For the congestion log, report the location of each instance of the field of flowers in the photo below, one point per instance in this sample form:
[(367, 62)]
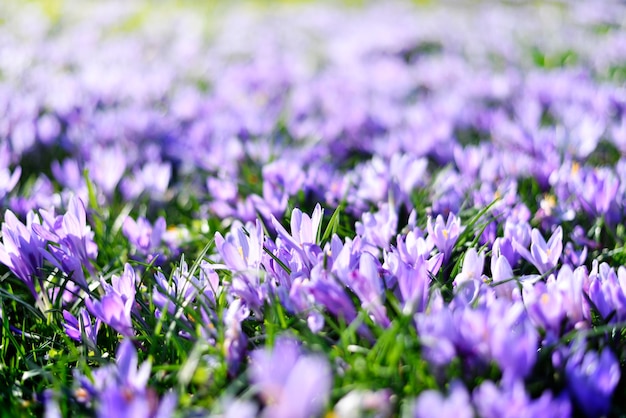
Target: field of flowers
[(313, 210)]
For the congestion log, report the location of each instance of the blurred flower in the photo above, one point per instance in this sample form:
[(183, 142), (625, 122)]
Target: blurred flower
[(290, 383), (512, 401), (359, 403), (592, 378), (432, 403), (145, 237)]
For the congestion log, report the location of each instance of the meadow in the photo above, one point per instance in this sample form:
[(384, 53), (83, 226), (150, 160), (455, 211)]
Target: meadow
[(312, 209)]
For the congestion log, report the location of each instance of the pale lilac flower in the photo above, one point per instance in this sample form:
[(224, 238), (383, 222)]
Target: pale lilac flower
[(123, 390), (368, 286), (413, 246), (413, 282), (145, 237), (107, 167), (543, 255), (377, 229), (8, 180), (113, 311), (432, 403), (330, 294), (304, 236), (242, 252), (291, 384), (152, 179), (445, 234), (503, 280), (471, 277), (545, 306)]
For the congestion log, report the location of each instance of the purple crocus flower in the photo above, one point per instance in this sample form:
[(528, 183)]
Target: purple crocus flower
[(242, 251), (543, 255), (304, 236), (292, 384), (510, 401), (107, 167), (597, 191), (503, 280), (235, 339), (115, 307), (592, 378), (76, 327), (124, 392), (413, 246), (113, 311), (513, 340), (73, 238), (368, 286), (377, 229), (413, 282), (445, 234), (606, 291), (471, 278), (437, 332), (8, 180), (545, 306), (328, 293), (177, 292), (21, 250), (432, 403), (146, 238)]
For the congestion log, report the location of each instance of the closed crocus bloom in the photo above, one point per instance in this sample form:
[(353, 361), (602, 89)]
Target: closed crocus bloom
[(597, 191), (413, 284), (470, 279), (503, 280), (330, 294), (607, 293)]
